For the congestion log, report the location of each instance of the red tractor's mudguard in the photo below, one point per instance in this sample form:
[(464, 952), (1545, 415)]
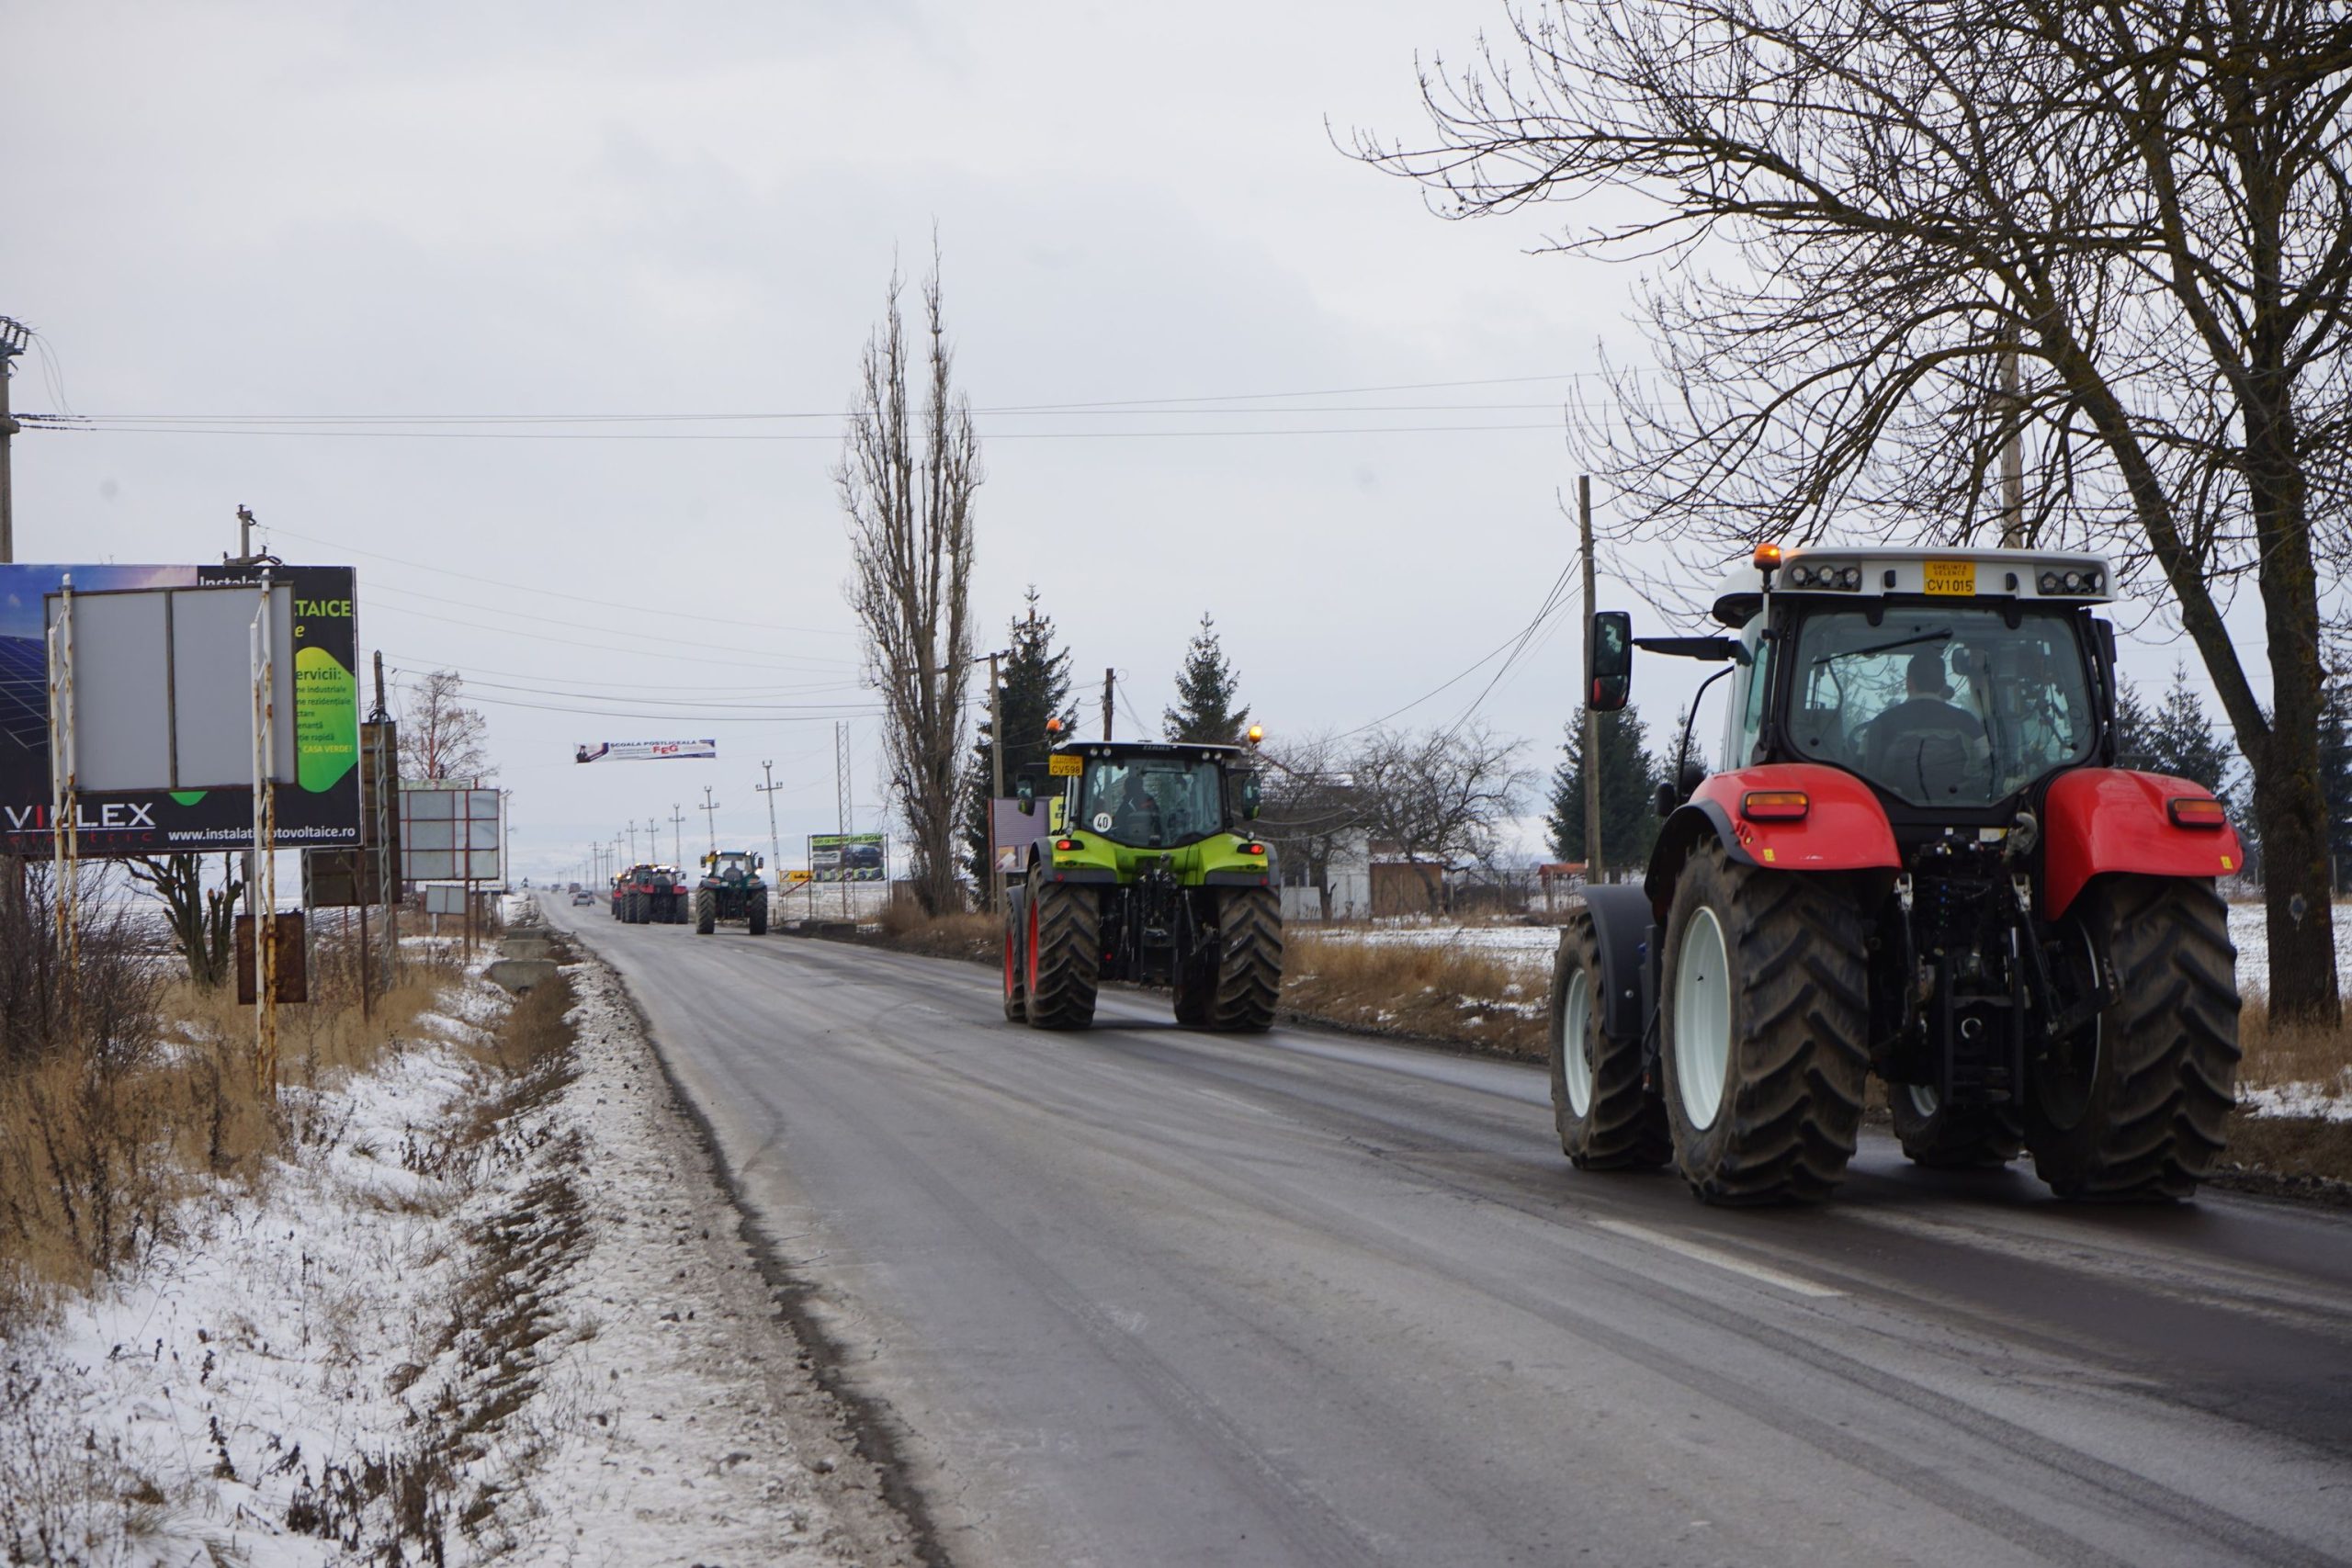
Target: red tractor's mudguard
[(1843, 827), (2103, 819)]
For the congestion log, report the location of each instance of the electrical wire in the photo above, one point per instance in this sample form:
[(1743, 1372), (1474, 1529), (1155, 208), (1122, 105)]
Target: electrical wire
[(827, 436), (656, 637)]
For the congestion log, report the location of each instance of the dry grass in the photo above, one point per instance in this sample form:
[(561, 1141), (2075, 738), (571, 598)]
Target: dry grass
[(1462, 995), (967, 934), (2291, 1053), (144, 1088)]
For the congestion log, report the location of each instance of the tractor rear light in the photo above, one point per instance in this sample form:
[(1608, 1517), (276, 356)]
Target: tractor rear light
[(1065, 843), (2194, 811), (1253, 849), (1774, 804)]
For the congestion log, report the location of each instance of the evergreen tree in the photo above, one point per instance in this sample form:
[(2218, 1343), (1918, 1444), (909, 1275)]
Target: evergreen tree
[(1205, 694), (1036, 677), (2134, 729), (2335, 769), (1629, 780), (2182, 738)]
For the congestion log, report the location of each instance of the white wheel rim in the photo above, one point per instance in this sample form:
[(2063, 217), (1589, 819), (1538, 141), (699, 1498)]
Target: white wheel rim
[(1576, 1018), (1924, 1099), (1701, 1019)]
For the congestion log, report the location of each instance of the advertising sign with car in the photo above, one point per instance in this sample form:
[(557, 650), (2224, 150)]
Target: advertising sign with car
[(848, 857)]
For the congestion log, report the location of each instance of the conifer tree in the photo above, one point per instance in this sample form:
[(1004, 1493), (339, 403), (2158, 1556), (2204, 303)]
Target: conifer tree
[(1035, 675), (1628, 779), (1206, 707)]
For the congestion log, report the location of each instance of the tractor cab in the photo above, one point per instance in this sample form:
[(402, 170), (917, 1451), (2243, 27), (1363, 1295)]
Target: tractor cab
[(1145, 795), (1917, 860)]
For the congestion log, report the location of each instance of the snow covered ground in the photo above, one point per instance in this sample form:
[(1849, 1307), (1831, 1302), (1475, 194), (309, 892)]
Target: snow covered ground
[(549, 1344)]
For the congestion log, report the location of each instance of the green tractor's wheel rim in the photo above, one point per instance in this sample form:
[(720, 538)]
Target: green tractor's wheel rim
[(1701, 1019), (1575, 1069)]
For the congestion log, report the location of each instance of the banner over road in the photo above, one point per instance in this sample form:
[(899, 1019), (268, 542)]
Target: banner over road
[(642, 750)]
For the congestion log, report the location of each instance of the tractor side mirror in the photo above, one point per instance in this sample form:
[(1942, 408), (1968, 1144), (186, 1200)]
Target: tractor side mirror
[(1251, 797), (1025, 788), (1609, 660)]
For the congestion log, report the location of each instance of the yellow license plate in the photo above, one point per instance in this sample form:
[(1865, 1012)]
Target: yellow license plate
[(1070, 764), (1952, 577)]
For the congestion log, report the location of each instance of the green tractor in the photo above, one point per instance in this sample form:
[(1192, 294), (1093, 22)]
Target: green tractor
[(1145, 871), (730, 890)]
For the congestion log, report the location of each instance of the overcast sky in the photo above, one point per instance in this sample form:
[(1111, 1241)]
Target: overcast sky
[(582, 208)]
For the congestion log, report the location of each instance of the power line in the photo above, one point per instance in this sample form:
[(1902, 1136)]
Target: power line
[(828, 435), (655, 637)]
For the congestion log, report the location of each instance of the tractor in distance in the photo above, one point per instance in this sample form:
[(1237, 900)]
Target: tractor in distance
[(732, 891), (1916, 858), (1146, 871), (649, 894)]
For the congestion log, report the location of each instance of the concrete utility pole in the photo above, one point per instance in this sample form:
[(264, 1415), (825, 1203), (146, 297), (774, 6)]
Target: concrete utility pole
[(996, 781), (678, 832), (2012, 406), (1593, 869), (840, 809), (776, 855), (1109, 680), (710, 817), (14, 336), (632, 841)]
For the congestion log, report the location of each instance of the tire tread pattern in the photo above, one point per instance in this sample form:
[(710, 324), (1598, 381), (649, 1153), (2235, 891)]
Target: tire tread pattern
[(1248, 960), (1626, 1126), (1068, 957)]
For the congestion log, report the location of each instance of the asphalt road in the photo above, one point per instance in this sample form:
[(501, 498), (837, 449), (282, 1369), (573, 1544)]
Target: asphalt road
[(1144, 1295)]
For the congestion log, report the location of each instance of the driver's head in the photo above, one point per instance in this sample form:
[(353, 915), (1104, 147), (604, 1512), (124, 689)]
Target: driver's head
[(1923, 677), (1133, 792)]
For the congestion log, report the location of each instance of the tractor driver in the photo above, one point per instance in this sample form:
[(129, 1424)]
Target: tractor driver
[(1926, 735), (1137, 818)]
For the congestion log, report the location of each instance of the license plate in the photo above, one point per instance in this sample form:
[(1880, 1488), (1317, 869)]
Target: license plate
[(1065, 765), (1958, 576)]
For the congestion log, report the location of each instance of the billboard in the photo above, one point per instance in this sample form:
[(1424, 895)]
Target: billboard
[(450, 830), (642, 750), (341, 878), (847, 857), (179, 728)]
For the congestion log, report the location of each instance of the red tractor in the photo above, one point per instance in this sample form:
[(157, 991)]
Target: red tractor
[(649, 894), (1916, 859)]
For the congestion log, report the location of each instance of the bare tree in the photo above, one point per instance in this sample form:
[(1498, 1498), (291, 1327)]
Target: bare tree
[(906, 482), (1310, 814), (1436, 798), (203, 920), (1866, 208), (440, 737)]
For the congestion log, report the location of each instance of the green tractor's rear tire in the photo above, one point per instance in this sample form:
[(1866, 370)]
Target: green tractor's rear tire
[(1016, 960), (1062, 943), (2136, 1104), (1249, 960), (1765, 1017), (755, 914), (706, 912), (1942, 1137), (1609, 1119)]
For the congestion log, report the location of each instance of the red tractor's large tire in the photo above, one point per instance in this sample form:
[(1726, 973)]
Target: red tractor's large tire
[(1944, 1137), (1248, 975), (1765, 1018), (1016, 957), (1609, 1119), (632, 907), (1062, 944), (2135, 1105), (706, 911)]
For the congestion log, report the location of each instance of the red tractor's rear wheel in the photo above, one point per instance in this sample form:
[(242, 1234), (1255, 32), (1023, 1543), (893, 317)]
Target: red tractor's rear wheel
[(2136, 1103), (1765, 1019), (1608, 1118)]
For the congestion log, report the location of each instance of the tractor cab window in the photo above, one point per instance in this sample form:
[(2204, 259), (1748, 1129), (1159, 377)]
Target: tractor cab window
[(1941, 706), (1747, 716), (1152, 802)]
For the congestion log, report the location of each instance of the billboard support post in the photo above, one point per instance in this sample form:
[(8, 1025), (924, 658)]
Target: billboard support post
[(64, 805), (265, 845)]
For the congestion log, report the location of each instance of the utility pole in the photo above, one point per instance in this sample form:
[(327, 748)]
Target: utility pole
[(1109, 681), (632, 841), (14, 336), (678, 832), (776, 855), (2012, 406), (1594, 871), (710, 817), (841, 807), (652, 837)]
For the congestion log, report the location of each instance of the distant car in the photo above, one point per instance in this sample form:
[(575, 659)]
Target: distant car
[(583, 896)]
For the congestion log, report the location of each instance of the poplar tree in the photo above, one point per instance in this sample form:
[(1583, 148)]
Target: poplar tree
[(1205, 709)]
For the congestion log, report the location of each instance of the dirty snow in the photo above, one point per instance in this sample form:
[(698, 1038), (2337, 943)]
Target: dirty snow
[(255, 1393)]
